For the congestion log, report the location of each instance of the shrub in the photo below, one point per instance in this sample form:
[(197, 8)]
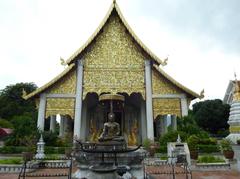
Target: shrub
[(13, 149), (207, 141), (147, 143), (171, 136), (226, 145), (208, 148), (210, 159), (192, 142), (5, 124)]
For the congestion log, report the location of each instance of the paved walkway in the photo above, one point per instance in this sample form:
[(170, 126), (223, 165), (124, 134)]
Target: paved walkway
[(196, 175)]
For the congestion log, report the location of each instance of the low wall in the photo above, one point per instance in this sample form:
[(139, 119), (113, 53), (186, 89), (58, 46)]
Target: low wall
[(211, 166)]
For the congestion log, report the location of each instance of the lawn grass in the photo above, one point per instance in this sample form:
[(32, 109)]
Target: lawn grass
[(210, 159), (15, 160)]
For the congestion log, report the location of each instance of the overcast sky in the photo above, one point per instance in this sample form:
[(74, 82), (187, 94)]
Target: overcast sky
[(201, 37)]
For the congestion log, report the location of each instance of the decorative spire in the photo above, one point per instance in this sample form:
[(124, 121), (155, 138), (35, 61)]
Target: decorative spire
[(236, 95), (114, 1)]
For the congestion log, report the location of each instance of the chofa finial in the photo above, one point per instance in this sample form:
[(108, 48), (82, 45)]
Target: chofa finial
[(165, 61), (63, 62), (24, 93), (202, 94)]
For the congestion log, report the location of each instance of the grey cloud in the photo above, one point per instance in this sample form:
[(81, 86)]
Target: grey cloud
[(217, 20)]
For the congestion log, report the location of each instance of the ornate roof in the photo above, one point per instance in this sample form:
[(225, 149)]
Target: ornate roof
[(156, 61), (114, 8), (179, 85), (46, 86)]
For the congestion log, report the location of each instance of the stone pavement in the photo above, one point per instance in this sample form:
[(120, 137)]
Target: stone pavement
[(196, 175)]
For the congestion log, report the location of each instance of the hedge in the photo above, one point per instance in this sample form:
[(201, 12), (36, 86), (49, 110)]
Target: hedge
[(208, 148), (20, 149)]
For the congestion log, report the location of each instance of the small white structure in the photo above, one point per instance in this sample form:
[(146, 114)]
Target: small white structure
[(40, 149), (177, 151), (234, 117)]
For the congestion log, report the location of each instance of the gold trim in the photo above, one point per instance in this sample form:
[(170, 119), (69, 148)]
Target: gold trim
[(44, 87), (113, 7), (118, 97), (188, 91)]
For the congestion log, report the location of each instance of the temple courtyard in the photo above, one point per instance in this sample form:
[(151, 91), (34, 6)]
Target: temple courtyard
[(231, 174)]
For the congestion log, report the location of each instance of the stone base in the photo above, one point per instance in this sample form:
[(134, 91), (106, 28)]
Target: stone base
[(233, 137)]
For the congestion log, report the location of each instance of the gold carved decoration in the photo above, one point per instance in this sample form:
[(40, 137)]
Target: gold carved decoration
[(63, 106), (67, 84), (161, 85), (234, 129), (132, 137), (94, 133), (114, 63), (166, 106)]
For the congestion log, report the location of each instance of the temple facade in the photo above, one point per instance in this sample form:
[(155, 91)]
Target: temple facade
[(113, 61)]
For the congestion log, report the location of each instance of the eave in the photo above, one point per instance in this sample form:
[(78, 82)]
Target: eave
[(191, 93)]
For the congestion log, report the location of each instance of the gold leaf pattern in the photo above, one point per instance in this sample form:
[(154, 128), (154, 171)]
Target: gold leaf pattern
[(162, 86), (63, 106), (166, 106), (114, 63), (67, 85)]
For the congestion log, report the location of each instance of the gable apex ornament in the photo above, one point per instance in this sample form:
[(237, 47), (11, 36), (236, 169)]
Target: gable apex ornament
[(202, 94)]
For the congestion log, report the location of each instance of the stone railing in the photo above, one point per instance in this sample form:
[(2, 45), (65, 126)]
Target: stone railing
[(211, 166)]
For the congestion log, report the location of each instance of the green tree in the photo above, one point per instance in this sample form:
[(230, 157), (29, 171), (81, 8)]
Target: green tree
[(5, 124), (12, 103), (211, 115), (25, 131)]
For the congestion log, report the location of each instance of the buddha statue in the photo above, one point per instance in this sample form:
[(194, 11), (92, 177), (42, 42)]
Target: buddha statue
[(111, 130)]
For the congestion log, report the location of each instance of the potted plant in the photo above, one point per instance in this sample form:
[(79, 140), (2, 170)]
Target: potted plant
[(149, 146), (227, 149), (192, 142)]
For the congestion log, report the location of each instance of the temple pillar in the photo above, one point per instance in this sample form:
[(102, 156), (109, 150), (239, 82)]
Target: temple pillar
[(143, 120), (52, 123), (149, 108), (184, 106), (78, 101), (41, 112), (61, 129), (174, 122), (163, 125), (84, 120), (66, 125)]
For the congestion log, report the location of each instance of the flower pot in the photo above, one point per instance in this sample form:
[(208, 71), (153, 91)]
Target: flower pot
[(228, 154), (194, 154)]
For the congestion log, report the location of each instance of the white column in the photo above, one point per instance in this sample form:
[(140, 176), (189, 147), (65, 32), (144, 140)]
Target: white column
[(149, 109), (78, 102), (61, 129), (184, 106), (41, 112), (52, 123)]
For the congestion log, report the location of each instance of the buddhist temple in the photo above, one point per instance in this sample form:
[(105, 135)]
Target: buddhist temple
[(113, 61)]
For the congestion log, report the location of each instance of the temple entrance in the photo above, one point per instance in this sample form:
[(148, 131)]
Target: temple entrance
[(129, 114)]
